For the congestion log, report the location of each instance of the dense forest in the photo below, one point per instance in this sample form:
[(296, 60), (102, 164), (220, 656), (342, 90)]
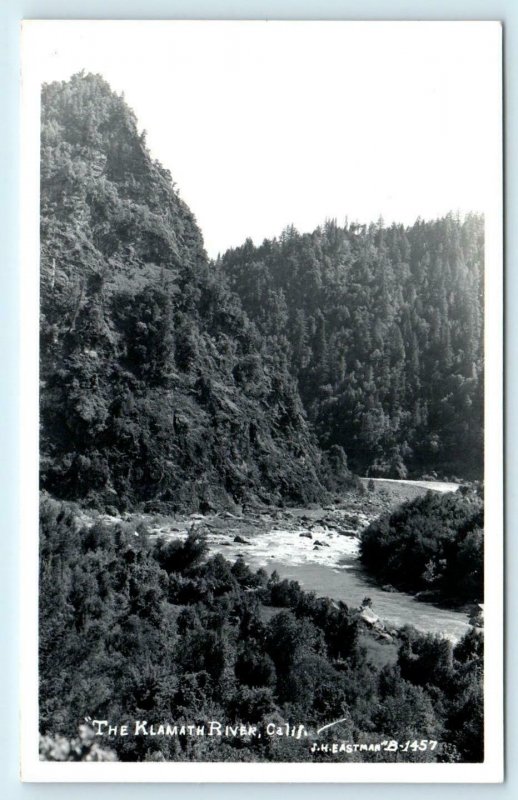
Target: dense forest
[(272, 375), (134, 628), (382, 328), (172, 381), (434, 544)]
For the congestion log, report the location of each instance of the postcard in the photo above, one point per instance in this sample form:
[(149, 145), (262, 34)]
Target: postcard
[(262, 377)]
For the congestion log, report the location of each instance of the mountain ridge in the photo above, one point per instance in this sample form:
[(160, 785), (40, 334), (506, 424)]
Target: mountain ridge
[(172, 382), (156, 387)]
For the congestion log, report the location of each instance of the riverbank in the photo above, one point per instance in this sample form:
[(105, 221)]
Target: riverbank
[(316, 546)]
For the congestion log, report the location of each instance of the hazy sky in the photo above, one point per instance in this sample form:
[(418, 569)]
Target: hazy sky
[(268, 124)]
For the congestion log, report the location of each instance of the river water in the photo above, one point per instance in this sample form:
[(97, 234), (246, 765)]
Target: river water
[(395, 608), (323, 560), (335, 572), (319, 548)]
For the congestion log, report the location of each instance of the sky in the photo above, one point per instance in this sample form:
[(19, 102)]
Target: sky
[(269, 124)]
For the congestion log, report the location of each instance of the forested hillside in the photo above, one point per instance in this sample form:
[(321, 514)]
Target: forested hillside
[(156, 388), (382, 328), (181, 383)]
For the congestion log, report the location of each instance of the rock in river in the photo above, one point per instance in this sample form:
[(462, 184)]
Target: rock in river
[(239, 539)]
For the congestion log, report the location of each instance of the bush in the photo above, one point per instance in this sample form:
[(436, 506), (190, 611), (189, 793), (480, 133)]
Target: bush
[(435, 542)]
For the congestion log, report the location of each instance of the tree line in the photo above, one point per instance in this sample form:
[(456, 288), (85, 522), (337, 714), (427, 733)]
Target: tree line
[(382, 328)]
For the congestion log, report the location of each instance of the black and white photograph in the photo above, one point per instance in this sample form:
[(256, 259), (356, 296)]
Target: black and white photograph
[(263, 264)]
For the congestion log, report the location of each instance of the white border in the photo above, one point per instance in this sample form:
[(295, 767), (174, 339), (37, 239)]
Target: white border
[(491, 771)]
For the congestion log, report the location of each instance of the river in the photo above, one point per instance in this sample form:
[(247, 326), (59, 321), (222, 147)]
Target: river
[(336, 572), (310, 546)]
